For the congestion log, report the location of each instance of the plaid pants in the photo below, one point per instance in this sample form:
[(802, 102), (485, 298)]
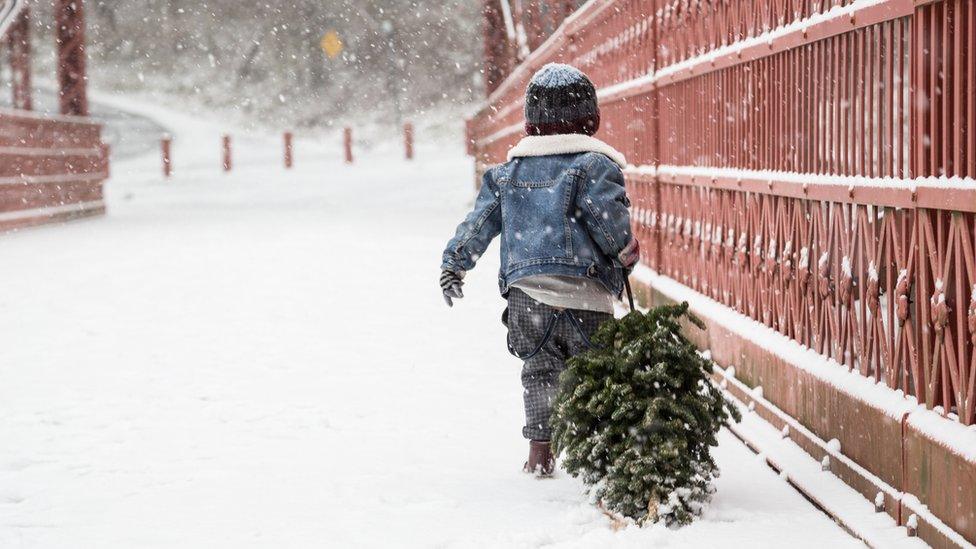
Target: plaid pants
[(527, 320)]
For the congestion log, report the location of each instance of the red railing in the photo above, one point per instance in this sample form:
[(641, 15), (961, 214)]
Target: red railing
[(51, 166), (811, 164), (515, 27)]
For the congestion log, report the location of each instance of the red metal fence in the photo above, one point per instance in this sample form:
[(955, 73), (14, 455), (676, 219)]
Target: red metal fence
[(808, 163), (51, 166)]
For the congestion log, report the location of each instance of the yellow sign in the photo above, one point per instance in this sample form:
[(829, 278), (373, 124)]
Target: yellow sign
[(331, 44)]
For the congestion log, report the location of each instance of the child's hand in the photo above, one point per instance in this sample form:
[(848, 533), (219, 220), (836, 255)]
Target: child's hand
[(451, 283), (630, 255)]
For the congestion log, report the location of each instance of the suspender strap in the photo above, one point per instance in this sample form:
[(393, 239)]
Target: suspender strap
[(551, 327), (630, 293)]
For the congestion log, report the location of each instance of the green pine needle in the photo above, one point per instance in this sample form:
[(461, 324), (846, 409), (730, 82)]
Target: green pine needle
[(636, 416)]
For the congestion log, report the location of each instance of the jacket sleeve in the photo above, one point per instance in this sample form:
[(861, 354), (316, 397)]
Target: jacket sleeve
[(603, 201), (477, 230)]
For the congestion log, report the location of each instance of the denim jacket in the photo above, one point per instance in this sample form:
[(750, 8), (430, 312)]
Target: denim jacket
[(561, 208)]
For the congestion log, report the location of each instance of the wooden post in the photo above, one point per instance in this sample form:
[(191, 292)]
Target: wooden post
[(289, 159), (347, 143), (106, 151), (167, 143), (228, 158), (408, 140)]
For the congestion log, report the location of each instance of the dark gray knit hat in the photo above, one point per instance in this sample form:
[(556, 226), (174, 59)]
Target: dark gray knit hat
[(561, 99)]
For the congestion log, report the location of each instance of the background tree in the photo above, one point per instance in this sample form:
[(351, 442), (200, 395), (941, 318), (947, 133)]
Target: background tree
[(266, 55)]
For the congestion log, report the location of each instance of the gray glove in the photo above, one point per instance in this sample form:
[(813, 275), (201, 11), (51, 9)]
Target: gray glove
[(451, 283)]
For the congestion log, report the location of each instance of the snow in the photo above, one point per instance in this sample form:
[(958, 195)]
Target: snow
[(51, 210), (8, 12), (555, 75), (264, 359), (845, 181), (864, 519), (766, 38), (955, 436), (262, 62), (842, 181), (509, 22), (916, 508), (504, 132), (829, 491)]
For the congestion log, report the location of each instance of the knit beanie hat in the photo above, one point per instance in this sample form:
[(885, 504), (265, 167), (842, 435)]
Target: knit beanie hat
[(561, 99)]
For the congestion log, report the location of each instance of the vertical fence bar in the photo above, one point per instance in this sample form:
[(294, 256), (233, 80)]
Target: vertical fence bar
[(971, 98), (70, 31), (20, 61), (499, 53)]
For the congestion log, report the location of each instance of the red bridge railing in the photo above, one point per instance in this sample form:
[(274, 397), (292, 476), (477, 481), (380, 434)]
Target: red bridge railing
[(808, 163), (51, 166)]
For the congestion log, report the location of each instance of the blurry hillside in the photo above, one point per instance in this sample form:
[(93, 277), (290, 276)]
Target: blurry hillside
[(264, 61)]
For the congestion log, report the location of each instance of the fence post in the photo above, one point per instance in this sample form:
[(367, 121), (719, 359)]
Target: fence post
[(228, 160), (167, 143), (408, 140), (657, 234), (347, 143), (72, 80), (20, 60), (106, 151), (289, 160)]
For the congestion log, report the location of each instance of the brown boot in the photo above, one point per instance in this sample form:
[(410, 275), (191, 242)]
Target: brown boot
[(541, 461)]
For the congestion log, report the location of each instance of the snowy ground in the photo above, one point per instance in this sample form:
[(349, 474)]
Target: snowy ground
[(264, 360)]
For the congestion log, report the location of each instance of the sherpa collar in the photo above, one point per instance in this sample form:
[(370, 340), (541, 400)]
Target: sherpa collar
[(564, 143)]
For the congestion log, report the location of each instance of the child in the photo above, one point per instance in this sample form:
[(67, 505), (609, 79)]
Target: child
[(560, 206)]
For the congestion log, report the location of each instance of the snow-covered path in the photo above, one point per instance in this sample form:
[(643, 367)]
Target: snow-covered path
[(264, 360)]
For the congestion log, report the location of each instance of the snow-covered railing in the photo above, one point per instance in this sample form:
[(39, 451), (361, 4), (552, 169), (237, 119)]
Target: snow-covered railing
[(809, 164), (51, 166), (774, 112), (9, 10), (877, 275), (514, 28)]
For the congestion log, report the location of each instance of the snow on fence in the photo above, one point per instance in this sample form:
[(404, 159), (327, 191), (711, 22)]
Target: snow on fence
[(809, 164)]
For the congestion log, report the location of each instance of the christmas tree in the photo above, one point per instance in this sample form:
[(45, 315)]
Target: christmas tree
[(636, 417)]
